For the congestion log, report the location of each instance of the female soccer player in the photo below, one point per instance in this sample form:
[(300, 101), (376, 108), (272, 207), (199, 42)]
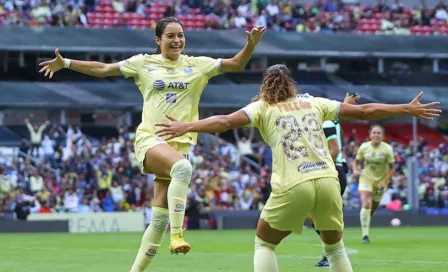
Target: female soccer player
[(304, 179), (170, 82), (379, 167)]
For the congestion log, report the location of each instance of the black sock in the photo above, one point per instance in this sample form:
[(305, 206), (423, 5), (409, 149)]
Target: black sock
[(318, 232)]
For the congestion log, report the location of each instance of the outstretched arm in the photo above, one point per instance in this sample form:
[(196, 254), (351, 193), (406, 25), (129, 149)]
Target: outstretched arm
[(240, 60), (377, 111), (218, 123), (91, 68)]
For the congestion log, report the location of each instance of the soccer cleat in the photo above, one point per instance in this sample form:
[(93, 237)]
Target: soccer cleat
[(365, 240), (178, 244), (323, 263)]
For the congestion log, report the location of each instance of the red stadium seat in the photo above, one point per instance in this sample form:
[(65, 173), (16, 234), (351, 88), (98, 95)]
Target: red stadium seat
[(108, 15), (109, 9), (100, 9), (200, 18)]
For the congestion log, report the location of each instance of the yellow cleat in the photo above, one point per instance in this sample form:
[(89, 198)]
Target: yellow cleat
[(178, 244)]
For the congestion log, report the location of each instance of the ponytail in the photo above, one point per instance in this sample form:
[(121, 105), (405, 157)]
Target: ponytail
[(158, 50)]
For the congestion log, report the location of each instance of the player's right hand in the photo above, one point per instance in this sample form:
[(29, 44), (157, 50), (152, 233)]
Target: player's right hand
[(351, 98), (52, 66), (424, 111), (355, 174)]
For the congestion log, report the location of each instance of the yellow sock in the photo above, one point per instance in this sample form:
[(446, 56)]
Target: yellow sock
[(181, 172), (151, 240), (365, 221), (264, 257)]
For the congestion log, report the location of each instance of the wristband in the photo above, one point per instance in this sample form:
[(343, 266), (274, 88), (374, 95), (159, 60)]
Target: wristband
[(67, 63)]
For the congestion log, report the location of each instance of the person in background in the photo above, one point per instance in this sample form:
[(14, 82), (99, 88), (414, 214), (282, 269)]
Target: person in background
[(35, 135)]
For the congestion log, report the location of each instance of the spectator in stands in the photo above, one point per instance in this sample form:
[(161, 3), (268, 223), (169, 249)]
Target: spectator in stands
[(84, 207), (116, 192), (36, 183), (36, 135), (5, 182), (104, 179), (71, 200), (22, 208), (108, 203), (24, 147), (192, 212), (245, 144)]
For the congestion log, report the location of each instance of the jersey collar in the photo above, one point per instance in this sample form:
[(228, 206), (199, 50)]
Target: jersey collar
[(171, 61)]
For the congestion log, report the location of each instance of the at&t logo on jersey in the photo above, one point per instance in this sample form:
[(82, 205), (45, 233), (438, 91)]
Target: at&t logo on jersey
[(160, 85)]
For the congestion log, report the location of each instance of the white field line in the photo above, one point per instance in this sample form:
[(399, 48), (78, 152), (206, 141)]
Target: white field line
[(249, 255)]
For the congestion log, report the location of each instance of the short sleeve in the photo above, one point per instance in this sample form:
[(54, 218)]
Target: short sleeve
[(330, 130), (131, 66), (253, 112), (390, 155), (360, 153), (330, 108), (209, 66)]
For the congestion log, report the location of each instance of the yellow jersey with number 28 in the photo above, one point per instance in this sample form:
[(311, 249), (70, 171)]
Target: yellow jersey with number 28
[(170, 87), (293, 130)]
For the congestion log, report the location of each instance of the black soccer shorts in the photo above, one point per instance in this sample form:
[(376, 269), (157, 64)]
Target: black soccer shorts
[(342, 175)]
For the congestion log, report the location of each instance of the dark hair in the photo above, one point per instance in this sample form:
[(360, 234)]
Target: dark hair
[(161, 25), (378, 126), (277, 85)]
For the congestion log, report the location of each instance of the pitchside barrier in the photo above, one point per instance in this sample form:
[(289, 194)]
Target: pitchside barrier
[(248, 219), (96, 222), (19, 226)]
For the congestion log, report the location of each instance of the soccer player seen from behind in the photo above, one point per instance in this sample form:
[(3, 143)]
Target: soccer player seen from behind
[(379, 167), (333, 134), (170, 82), (304, 178)]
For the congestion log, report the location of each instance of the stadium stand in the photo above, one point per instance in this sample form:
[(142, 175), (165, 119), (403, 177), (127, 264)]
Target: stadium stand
[(106, 177), (317, 16)]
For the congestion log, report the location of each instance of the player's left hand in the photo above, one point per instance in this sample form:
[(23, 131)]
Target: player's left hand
[(351, 98), (172, 130), (254, 36)]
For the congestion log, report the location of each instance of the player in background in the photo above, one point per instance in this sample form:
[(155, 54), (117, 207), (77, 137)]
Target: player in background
[(304, 177), (379, 167), (333, 133), (170, 82)]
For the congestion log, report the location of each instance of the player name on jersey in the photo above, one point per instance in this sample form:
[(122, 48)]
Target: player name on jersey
[(293, 106)]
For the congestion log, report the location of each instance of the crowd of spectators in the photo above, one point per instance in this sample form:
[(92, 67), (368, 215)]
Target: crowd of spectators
[(59, 171), (279, 15)]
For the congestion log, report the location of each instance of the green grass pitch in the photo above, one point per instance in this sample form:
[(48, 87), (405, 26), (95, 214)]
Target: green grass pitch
[(392, 250)]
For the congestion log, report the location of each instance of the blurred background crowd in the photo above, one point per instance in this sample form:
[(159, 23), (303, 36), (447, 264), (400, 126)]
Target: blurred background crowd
[(59, 170), (300, 16)]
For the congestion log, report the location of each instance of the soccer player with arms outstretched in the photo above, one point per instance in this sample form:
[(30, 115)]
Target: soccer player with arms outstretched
[(304, 179), (171, 83), (379, 167)]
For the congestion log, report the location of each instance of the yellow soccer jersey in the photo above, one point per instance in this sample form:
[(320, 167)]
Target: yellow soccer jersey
[(170, 87), (293, 130), (376, 161)]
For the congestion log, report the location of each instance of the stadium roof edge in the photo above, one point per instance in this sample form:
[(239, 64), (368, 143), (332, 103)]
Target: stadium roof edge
[(226, 52)]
